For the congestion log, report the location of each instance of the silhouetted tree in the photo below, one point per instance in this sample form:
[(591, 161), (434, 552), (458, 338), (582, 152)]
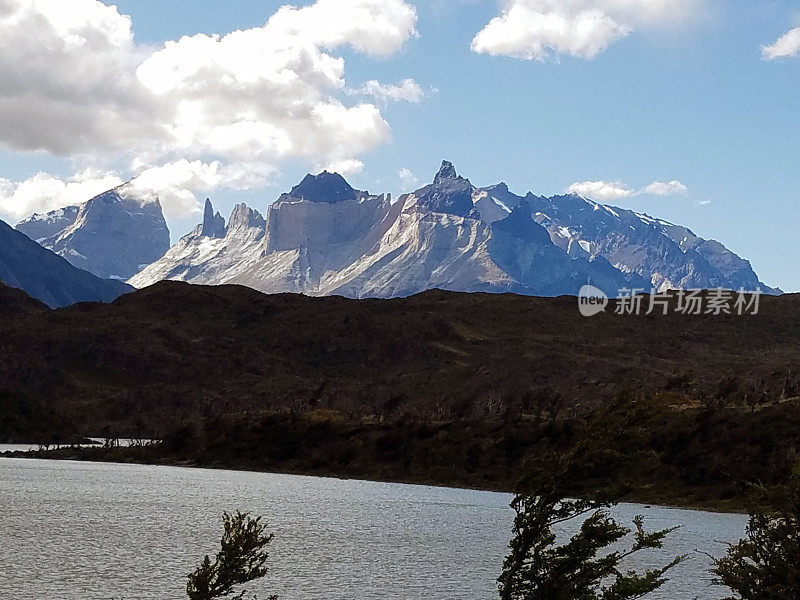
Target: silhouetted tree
[(582, 568), (765, 565), (242, 558)]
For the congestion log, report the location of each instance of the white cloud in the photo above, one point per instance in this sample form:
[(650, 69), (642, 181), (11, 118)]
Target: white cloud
[(609, 191), (533, 29), (787, 45), (67, 81), (74, 83), (525, 31), (601, 190), (271, 91), (43, 192), (174, 184), (345, 167), (407, 90), (408, 180), (668, 188)]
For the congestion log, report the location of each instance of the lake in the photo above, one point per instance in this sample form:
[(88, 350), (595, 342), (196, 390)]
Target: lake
[(95, 531)]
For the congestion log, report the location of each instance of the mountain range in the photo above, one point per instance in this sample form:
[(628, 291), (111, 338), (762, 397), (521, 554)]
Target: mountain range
[(325, 237)]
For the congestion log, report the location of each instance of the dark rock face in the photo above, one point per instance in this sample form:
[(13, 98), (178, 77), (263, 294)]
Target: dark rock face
[(49, 278), (325, 187), (448, 193), (520, 224), (523, 249), (40, 227), (446, 172), (213, 224), (113, 236)]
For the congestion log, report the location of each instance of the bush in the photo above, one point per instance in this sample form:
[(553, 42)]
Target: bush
[(766, 564), (242, 558)]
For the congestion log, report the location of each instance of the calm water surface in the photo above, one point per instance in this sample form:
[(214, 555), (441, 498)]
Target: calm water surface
[(91, 531)]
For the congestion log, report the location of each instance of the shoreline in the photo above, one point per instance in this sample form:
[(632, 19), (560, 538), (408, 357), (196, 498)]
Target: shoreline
[(716, 508)]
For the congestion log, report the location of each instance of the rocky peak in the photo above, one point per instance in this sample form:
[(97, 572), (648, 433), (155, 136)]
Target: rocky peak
[(244, 217), (448, 193), (213, 224), (325, 187), (113, 235), (446, 171)]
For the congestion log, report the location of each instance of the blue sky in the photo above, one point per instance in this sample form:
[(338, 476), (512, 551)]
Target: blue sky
[(693, 101)]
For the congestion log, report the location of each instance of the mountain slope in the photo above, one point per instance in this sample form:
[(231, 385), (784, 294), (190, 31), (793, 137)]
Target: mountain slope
[(26, 265), (113, 235), (666, 255)]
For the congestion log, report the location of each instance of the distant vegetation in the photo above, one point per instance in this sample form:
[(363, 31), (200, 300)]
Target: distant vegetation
[(682, 457), (180, 353)]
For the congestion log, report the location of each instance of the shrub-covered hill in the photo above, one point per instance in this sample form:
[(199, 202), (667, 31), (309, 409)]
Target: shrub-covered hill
[(174, 352)]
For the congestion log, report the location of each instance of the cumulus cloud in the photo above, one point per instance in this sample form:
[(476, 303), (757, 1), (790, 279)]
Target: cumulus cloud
[(67, 78), (43, 192), (175, 184), (668, 188), (271, 91), (610, 191), (535, 29), (601, 190), (225, 108), (349, 166), (407, 90), (786, 45)]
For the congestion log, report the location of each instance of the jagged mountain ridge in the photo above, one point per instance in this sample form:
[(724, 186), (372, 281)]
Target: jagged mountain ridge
[(326, 238), (49, 278), (666, 255), (113, 235), (40, 227)]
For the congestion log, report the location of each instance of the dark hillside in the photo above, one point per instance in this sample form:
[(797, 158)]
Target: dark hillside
[(175, 351)]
